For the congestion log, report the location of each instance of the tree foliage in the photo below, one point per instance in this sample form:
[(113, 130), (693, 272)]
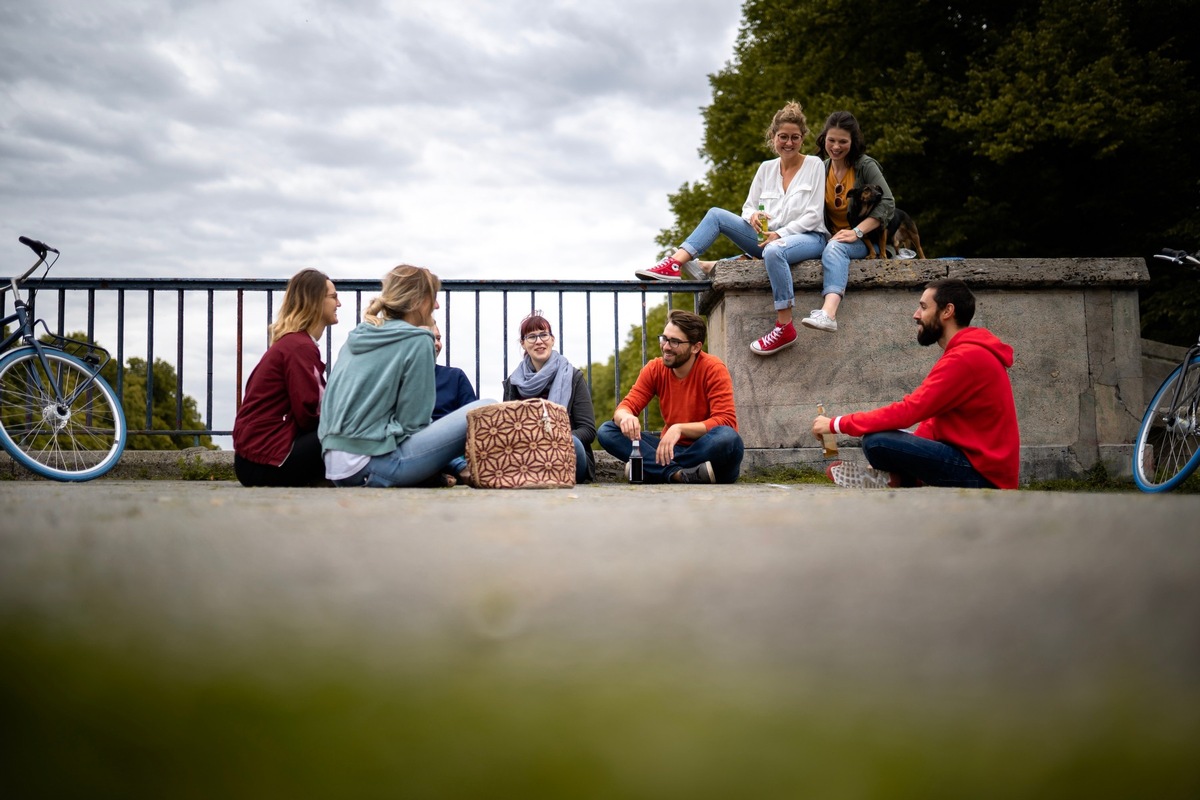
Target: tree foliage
[(1025, 128), (163, 409)]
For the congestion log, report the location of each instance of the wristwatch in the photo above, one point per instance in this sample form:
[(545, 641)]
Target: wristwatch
[(857, 232)]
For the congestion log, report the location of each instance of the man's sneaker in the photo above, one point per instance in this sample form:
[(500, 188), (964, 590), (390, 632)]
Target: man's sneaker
[(666, 270), (782, 336), (820, 320), (701, 474), (855, 475)]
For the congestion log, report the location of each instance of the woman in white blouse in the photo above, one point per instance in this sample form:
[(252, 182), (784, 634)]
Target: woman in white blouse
[(790, 190)]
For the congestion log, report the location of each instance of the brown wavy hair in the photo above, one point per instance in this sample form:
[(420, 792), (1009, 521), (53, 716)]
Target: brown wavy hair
[(303, 303)]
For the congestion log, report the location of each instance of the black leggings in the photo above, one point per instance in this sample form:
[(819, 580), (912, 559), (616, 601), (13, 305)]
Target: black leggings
[(303, 466)]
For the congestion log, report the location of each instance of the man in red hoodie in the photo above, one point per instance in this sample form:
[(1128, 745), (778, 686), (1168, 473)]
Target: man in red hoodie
[(968, 433)]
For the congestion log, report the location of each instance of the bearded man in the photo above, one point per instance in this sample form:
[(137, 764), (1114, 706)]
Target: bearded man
[(966, 418), (699, 441)]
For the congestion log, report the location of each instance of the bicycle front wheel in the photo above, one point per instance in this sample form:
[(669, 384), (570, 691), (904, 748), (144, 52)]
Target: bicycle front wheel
[(59, 419), (1167, 448)]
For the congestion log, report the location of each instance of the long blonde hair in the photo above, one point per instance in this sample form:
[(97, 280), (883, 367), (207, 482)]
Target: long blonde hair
[(406, 290), (303, 303)]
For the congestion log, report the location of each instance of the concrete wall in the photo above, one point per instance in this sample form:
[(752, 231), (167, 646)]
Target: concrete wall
[(1073, 324)]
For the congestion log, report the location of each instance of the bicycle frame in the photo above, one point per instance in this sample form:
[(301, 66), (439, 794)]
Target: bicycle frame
[(1193, 402), (1172, 420), (26, 330)]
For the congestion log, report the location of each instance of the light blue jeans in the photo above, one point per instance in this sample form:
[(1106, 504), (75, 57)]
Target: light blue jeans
[(836, 264), (778, 256), (419, 456)]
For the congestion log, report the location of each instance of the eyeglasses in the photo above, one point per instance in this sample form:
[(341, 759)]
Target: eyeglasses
[(783, 137), (838, 200), (537, 337), (672, 342)]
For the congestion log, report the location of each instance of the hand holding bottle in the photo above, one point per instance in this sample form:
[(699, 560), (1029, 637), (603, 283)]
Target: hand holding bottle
[(759, 220), (823, 429)]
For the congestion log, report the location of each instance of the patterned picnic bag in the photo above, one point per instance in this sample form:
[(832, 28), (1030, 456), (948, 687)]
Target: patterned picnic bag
[(521, 444)]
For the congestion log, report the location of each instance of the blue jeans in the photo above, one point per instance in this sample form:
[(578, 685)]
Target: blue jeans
[(778, 256), (581, 462), (421, 455), (836, 263), (721, 446), (921, 461)]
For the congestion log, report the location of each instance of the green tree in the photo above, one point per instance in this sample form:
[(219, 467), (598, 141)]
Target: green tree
[(133, 403), (631, 361), (163, 408), (1031, 128)]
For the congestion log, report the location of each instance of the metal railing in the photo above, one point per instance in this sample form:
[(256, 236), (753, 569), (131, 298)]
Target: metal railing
[(479, 319)]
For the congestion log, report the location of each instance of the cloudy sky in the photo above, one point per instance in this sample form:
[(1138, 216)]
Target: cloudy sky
[(511, 139)]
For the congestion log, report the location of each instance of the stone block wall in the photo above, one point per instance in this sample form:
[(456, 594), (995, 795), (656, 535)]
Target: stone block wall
[(1073, 324)]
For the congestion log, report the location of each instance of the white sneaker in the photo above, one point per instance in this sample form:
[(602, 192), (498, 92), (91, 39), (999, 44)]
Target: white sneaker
[(820, 320), (855, 475)]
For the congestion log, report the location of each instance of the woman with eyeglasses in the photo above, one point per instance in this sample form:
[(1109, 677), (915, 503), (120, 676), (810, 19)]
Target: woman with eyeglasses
[(847, 165), (375, 418), (789, 191), (544, 372), (275, 432)]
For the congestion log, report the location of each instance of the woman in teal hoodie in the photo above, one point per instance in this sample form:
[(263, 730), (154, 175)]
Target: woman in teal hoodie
[(375, 429)]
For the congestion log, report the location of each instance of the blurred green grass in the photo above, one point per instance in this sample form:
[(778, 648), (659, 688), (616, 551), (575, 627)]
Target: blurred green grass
[(103, 716)]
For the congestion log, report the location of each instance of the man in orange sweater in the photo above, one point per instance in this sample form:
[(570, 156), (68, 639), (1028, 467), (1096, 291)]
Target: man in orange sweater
[(699, 441), (968, 433)]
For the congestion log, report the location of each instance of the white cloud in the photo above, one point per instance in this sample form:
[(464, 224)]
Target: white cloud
[(246, 139)]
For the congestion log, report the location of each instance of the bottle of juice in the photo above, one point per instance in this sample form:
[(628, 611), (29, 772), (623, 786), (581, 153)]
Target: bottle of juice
[(762, 224), (827, 439)]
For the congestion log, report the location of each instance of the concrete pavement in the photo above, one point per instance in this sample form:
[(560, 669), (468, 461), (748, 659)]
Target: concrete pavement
[(982, 588), (607, 641)]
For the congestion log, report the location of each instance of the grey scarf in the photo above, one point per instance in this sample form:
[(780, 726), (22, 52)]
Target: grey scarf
[(557, 374)]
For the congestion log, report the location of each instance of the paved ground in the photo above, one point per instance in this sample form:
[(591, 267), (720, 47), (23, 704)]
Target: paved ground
[(930, 583), (777, 621)]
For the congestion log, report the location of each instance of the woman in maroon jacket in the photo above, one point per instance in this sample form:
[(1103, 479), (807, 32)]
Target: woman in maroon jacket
[(275, 434)]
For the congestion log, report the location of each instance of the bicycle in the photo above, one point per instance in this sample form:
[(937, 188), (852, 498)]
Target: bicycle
[(58, 417), (1167, 448)]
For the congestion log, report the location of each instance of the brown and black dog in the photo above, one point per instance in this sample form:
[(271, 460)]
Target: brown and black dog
[(901, 230), (861, 201)]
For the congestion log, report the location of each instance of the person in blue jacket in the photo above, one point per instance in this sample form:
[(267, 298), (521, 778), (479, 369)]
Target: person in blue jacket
[(454, 389)]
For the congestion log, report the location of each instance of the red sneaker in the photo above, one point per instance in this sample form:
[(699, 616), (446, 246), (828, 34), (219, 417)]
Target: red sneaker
[(666, 270), (783, 336)]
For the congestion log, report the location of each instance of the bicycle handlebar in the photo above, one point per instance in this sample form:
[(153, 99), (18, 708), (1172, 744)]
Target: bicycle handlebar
[(1176, 256), (38, 247)]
